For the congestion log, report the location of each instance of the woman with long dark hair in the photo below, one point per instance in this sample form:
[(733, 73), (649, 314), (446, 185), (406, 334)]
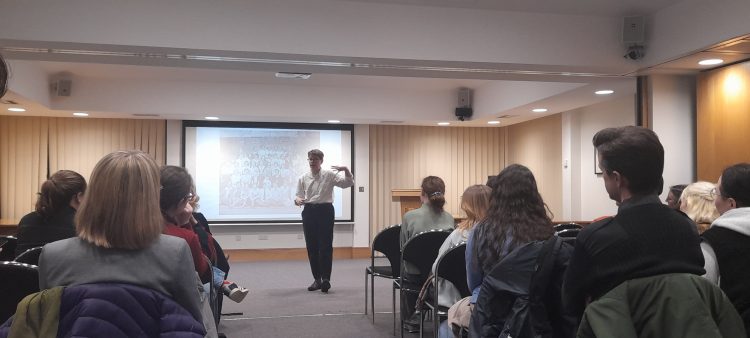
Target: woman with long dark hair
[(517, 217), (52, 220)]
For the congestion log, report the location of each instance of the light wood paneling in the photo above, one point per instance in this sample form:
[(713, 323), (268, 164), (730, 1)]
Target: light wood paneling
[(31, 148), (723, 120), (401, 156), (536, 144)]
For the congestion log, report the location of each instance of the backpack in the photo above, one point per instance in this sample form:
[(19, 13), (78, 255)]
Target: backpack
[(511, 299)]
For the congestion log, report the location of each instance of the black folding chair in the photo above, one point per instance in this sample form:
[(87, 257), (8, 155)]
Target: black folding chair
[(569, 235), (387, 243), (8, 248), (18, 281), (565, 226), (420, 251), (30, 256), (451, 266)]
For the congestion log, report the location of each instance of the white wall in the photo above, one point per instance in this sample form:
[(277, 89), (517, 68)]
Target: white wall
[(588, 198), (672, 100), (275, 236)]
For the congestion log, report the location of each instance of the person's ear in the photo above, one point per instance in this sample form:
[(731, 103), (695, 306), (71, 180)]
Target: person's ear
[(732, 202)]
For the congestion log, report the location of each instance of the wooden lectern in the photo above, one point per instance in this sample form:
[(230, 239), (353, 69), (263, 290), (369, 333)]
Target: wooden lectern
[(409, 199)]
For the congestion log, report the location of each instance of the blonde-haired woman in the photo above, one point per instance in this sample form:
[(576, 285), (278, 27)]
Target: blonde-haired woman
[(119, 227), (474, 202), (697, 202)]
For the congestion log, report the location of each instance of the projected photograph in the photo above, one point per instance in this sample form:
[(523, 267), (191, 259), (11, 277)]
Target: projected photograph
[(259, 177), (249, 173)]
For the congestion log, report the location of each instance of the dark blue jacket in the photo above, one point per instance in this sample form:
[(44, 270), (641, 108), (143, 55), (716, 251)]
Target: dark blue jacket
[(119, 310)]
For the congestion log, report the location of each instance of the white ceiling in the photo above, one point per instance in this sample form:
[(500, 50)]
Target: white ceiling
[(371, 60), (609, 8)]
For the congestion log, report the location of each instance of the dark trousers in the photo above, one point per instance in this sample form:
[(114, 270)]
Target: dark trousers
[(317, 223), (409, 300)]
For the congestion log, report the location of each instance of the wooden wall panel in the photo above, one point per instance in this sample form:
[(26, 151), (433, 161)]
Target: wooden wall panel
[(400, 156), (537, 145), (723, 120)]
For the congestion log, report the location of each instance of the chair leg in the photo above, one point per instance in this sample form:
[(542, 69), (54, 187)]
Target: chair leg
[(366, 273), (372, 297), (394, 310), (421, 323)]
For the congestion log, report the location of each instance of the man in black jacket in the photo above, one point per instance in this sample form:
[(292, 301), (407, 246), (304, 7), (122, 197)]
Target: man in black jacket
[(645, 238)]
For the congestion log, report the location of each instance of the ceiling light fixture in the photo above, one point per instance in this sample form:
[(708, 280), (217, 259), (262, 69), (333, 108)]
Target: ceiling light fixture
[(710, 62), (17, 109), (604, 92), (539, 110), (493, 122), (288, 75), (334, 121), (213, 118), (80, 114), (444, 123)]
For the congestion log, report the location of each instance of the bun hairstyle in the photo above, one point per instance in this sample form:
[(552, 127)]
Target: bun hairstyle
[(434, 188), (56, 192)]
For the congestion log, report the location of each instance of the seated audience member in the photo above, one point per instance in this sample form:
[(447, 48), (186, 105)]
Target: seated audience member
[(56, 206), (697, 202), (517, 216), (3, 76), (428, 217), (119, 239), (726, 245), (176, 194), (645, 238), (474, 202), (674, 195)]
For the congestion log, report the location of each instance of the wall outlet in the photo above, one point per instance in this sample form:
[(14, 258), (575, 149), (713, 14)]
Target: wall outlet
[(262, 237), (237, 238), (361, 189)]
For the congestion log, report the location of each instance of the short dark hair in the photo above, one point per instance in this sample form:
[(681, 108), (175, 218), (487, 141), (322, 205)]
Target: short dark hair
[(635, 153), (676, 190), (176, 183), (316, 153), (735, 183)]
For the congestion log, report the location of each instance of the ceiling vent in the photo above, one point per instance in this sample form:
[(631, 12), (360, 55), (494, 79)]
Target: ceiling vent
[(8, 102), (391, 122), (146, 115), (506, 116)]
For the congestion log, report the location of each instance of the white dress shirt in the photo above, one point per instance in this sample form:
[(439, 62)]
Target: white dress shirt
[(318, 188)]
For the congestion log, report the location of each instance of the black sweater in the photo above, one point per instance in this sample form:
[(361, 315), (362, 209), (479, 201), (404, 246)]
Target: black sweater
[(36, 230), (645, 238)]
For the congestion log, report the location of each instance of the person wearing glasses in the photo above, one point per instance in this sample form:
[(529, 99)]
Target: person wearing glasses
[(315, 193), (177, 211), (726, 245)]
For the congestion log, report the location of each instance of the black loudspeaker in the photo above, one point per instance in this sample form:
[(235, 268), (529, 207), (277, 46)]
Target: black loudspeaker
[(463, 113)]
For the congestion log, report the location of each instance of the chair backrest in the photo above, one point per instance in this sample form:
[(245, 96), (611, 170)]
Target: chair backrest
[(422, 250), (568, 233), (452, 267), (18, 281), (387, 243), (8, 246), (30, 256), (565, 226)]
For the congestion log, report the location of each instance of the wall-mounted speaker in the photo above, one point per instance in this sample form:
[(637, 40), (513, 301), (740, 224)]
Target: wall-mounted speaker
[(634, 30), (62, 87)]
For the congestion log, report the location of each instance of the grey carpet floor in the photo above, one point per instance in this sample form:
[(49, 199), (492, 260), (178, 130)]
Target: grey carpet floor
[(279, 304)]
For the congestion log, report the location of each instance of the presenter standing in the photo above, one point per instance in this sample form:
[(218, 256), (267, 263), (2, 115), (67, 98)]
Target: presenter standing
[(315, 192)]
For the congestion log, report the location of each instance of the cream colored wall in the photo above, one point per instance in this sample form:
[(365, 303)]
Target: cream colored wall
[(536, 144), (400, 156)]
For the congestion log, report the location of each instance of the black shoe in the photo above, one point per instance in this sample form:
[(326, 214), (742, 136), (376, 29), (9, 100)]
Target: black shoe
[(411, 327), (315, 286), (325, 286)]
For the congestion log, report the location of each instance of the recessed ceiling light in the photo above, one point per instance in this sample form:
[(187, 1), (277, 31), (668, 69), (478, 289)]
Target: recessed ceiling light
[(493, 122), (710, 62), (17, 109), (289, 75), (604, 92), (211, 118), (444, 123), (80, 114), (539, 110), (334, 121)]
